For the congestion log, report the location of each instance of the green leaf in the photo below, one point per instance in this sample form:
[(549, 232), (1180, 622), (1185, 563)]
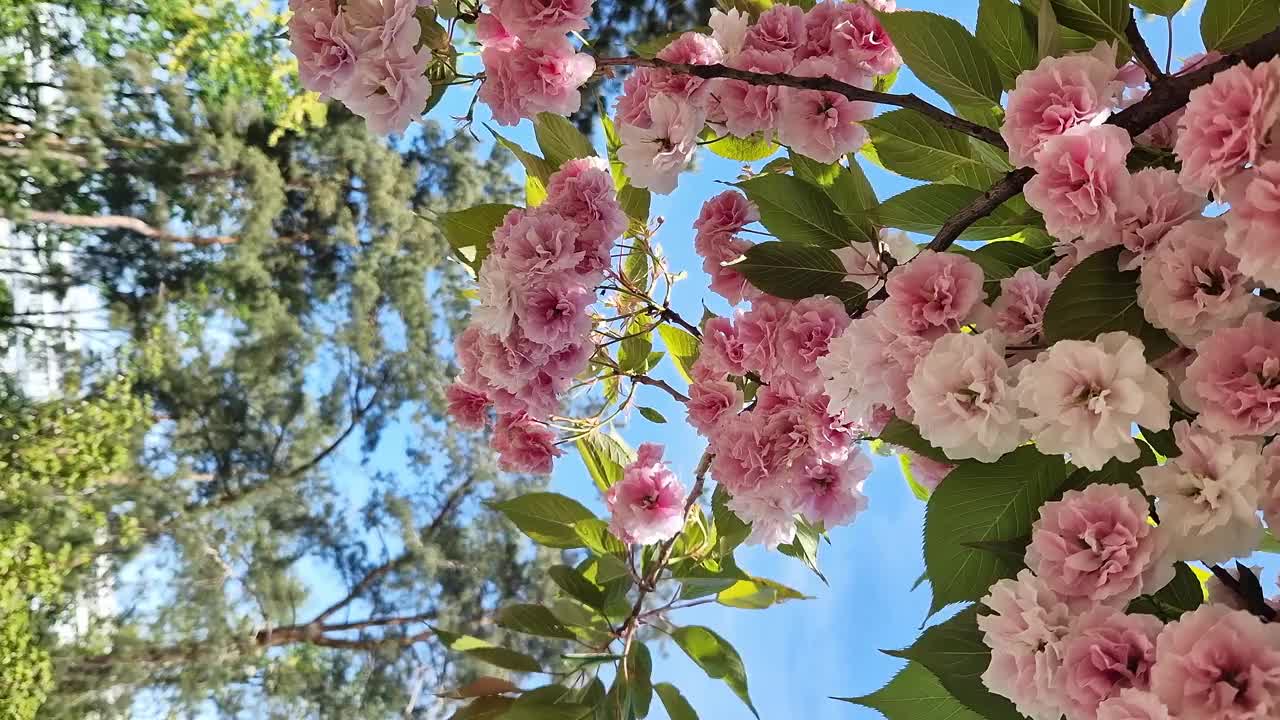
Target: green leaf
[(560, 140), (635, 203), (1166, 8), (804, 547), (1099, 19), (730, 529), (955, 653), (595, 536), (1114, 472), (532, 619), (1097, 297), (577, 586), (914, 146), (652, 415), (915, 694), (1001, 259), (534, 166), (546, 517), (846, 187), (944, 56), (1226, 25), (717, 658), (925, 208), (605, 455), (486, 652), (904, 434), (1003, 31), (682, 347), (469, 231), (757, 594), (794, 272), (798, 212), (639, 667), (633, 351), (981, 502), (677, 707), (1182, 594), (748, 149)]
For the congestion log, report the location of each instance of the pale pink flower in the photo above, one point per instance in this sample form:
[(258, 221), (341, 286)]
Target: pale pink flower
[(693, 48), (654, 156), (1059, 94), (582, 191), (781, 28), (1208, 496), (818, 124), (326, 52), (541, 243), (726, 281), (467, 406), (1191, 285), (726, 213), (807, 334), (1018, 314), (525, 80), (383, 26), (632, 107), (934, 294), (1215, 663), (1155, 204), (861, 263), (850, 34), (759, 330), (1227, 125), (964, 400), (711, 403), (1164, 134), (927, 472), (1095, 546), (1253, 225), (729, 29), (771, 512), (1234, 383), (497, 293), (537, 19), (868, 366), (1105, 653), (749, 108), (1081, 180), (1084, 397), (552, 310), (647, 505), (1271, 486), (390, 91), (1025, 632), (1133, 704), (722, 353), (524, 445), (831, 492), (493, 34)]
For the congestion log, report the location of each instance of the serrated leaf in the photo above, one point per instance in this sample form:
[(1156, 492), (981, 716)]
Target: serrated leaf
[(804, 547), (534, 166), (470, 230), (1181, 594), (605, 456), (532, 619), (794, 272), (480, 687), (1097, 297), (903, 434), (982, 502), (748, 149), (677, 707), (560, 140), (596, 537), (682, 347), (953, 651), (717, 658), (925, 208), (846, 187), (546, 517), (757, 594), (914, 146), (652, 415), (577, 586), (730, 529), (639, 668), (1226, 25), (1099, 19), (1003, 31), (486, 652), (944, 56), (915, 694), (798, 212), (1166, 8)]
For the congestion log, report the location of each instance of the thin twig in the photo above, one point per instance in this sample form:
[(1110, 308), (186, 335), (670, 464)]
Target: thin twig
[(1141, 52), (661, 384)]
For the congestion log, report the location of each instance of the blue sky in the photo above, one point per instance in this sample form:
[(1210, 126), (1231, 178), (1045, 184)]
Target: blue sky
[(799, 653)]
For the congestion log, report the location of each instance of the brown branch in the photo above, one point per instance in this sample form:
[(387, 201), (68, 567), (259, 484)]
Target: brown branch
[(661, 384), (122, 222), (1167, 95), (1141, 52), (826, 84)]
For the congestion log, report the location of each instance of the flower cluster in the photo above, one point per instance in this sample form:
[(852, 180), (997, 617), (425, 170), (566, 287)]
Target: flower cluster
[(530, 334), (1062, 643), (661, 113), (367, 54), (647, 505)]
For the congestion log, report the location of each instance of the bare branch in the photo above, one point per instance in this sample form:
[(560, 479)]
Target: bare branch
[(123, 222)]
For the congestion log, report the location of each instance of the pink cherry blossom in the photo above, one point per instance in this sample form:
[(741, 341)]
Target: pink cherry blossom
[(493, 34), (1253, 225), (582, 191), (1094, 545), (1208, 496), (1105, 653), (862, 263), (384, 26), (759, 330), (806, 335), (749, 108), (726, 281), (467, 406), (723, 352), (934, 294), (771, 512), (693, 48), (1234, 383), (1215, 663), (543, 243), (390, 91), (1191, 285), (867, 367), (1059, 94), (498, 293), (553, 310), (1019, 311), (524, 445), (1156, 204), (1133, 704), (647, 505), (525, 80), (1084, 397), (1081, 180), (964, 400), (1025, 632), (654, 156), (1227, 124), (822, 125), (729, 29), (726, 213), (857, 40), (532, 20), (326, 52), (781, 28), (831, 492), (711, 403)]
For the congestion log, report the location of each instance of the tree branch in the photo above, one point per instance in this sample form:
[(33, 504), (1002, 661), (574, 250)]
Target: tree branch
[(853, 92), (1140, 50), (1167, 95), (661, 384), (122, 222)]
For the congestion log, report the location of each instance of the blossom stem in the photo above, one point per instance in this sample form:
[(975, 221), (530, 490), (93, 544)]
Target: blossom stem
[(826, 84)]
